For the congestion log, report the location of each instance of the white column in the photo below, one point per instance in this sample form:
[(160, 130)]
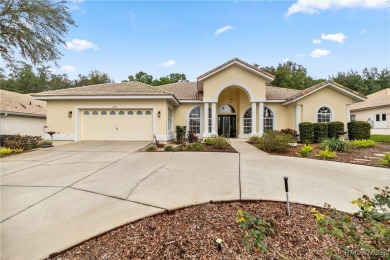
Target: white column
[(206, 120), (214, 118), (298, 112), (261, 118), (348, 113), (254, 118)]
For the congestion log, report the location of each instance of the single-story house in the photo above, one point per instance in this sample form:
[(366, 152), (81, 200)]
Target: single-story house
[(21, 114), (375, 110), (234, 99)]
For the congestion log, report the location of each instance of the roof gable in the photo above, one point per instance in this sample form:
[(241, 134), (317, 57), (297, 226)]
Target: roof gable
[(377, 99)]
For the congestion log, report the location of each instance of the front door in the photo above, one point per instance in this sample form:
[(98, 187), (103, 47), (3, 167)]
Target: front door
[(227, 125)]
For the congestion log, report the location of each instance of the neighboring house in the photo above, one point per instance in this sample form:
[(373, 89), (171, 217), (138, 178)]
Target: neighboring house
[(375, 110), (21, 114), (233, 99)]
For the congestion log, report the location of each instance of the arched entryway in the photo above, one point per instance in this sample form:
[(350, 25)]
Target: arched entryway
[(227, 124)]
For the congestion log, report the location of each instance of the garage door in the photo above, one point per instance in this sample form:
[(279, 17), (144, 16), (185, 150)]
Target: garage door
[(126, 125)]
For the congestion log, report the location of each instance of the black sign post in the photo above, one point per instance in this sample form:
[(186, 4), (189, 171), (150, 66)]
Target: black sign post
[(286, 189)]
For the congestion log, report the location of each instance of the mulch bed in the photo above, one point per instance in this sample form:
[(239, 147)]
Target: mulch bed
[(207, 148), (364, 156), (191, 233)]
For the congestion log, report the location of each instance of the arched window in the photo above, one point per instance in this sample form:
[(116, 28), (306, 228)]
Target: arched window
[(121, 113), (103, 113), (139, 113), (248, 121), (94, 113), (148, 113), (324, 115), (268, 120), (194, 120), (130, 113), (112, 113), (86, 113), (226, 109)]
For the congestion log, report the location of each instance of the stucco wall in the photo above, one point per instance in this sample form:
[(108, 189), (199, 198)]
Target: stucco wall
[(325, 97), (23, 125), (369, 114), (58, 120), (227, 77)]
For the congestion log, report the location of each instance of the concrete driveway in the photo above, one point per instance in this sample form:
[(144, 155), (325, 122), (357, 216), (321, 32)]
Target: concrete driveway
[(55, 198)]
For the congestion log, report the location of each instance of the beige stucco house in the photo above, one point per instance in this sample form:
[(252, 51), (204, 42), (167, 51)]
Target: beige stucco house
[(375, 110), (234, 99), (21, 114)]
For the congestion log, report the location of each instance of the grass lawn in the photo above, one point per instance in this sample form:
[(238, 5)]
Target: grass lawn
[(381, 138)]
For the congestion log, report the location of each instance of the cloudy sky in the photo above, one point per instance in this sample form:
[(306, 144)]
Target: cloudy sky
[(192, 37)]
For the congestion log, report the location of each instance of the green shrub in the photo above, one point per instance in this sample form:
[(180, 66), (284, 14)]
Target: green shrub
[(168, 148), (326, 154), (25, 142), (381, 138), (386, 160), (210, 140), (306, 150), (335, 144), (45, 143), (358, 130), (180, 133), (17, 150), (275, 141), (254, 139), (181, 148), (254, 230), (334, 128), (151, 148), (306, 132), (218, 142), (5, 151), (289, 131), (320, 132), (195, 147), (364, 143)]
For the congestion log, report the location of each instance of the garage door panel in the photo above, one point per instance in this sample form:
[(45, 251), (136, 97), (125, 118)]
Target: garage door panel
[(117, 127)]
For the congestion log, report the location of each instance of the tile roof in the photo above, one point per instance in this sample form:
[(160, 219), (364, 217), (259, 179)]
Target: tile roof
[(183, 90), (377, 99), (239, 61), (319, 85), (133, 88), (280, 93), (21, 103)]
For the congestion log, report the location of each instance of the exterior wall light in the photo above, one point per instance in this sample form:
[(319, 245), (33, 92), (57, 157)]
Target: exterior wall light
[(70, 114), (159, 114)]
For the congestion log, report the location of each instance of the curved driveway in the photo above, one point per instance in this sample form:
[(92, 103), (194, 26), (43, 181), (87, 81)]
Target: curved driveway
[(55, 198)]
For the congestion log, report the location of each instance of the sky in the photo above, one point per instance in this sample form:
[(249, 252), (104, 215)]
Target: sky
[(122, 38)]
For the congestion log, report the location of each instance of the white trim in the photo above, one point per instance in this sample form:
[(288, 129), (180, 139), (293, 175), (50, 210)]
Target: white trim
[(205, 119), (190, 101), (274, 100), (273, 118), (200, 118), (170, 132), (254, 118), (214, 119), (241, 65), (58, 137), (328, 84), (21, 114), (76, 114), (331, 112), (261, 118), (298, 116), (242, 122)]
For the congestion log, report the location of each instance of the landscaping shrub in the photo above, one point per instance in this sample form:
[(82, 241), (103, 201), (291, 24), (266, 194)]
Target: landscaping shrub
[(386, 160), (181, 148), (364, 143), (25, 142), (335, 144), (180, 133), (45, 143), (320, 132), (195, 147), (289, 131), (334, 127), (306, 132), (5, 151), (151, 148), (218, 142), (168, 148), (306, 150), (358, 130), (17, 150), (326, 154), (192, 137), (275, 141), (254, 139)]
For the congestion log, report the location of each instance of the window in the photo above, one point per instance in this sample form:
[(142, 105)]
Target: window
[(130, 113), (383, 117), (121, 113), (94, 113), (103, 113), (139, 113), (248, 121), (268, 120), (148, 113), (112, 113), (378, 117), (210, 121), (226, 109), (323, 115), (353, 118), (86, 113), (170, 119), (194, 120)]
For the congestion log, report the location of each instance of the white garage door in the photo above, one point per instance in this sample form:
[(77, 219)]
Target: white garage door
[(118, 124)]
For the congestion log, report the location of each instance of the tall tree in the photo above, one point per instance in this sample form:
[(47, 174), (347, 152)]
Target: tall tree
[(148, 79), (34, 28), (93, 77)]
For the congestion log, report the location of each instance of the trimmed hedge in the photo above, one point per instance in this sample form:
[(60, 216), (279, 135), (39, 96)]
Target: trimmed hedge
[(320, 132), (334, 127), (306, 132), (358, 130)]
